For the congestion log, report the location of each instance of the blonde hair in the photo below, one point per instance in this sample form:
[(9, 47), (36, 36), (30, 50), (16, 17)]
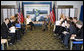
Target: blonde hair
[(13, 17), (62, 16), (79, 22), (28, 16)]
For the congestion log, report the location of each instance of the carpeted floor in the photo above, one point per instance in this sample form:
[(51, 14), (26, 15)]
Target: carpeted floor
[(38, 40)]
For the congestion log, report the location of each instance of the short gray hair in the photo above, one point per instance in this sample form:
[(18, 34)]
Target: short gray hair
[(79, 22)]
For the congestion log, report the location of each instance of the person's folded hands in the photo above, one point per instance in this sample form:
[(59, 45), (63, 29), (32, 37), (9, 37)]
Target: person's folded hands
[(72, 37), (65, 32)]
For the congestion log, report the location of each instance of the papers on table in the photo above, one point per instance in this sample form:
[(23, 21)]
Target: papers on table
[(57, 23), (12, 29), (63, 25)]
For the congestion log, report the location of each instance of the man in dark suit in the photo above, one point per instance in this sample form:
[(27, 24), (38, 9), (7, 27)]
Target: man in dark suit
[(5, 29), (12, 35), (71, 30), (12, 22), (78, 35)]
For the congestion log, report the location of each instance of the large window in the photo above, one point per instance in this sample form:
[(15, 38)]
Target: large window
[(68, 11), (7, 13), (37, 10)]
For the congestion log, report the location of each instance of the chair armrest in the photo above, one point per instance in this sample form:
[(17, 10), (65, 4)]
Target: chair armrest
[(78, 39)]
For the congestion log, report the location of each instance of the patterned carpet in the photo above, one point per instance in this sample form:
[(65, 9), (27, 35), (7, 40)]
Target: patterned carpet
[(38, 40)]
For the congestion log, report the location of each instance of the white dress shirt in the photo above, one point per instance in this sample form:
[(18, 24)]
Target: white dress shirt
[(57, 23), (28, 20)]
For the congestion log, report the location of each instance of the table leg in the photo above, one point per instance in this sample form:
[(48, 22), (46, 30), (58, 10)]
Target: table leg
[(71, 45), (7, 44), (82, 47)]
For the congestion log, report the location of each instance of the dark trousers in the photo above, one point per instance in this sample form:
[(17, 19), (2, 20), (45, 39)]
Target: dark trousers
[(12, 36), (18, 34), (66, 39), (4, 36), (62, 36), (23, 29), (45, 26), (57, 29), (62, 29), (31, 24)]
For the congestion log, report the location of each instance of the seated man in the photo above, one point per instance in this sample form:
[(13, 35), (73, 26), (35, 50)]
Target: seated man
[(57, 26), (45, 25), (48, 22), (71, 30), (5, 29), (12, 30), (12, 21), (78, 35), (18, 31), (75, 19), (12, 34), (62, 27)]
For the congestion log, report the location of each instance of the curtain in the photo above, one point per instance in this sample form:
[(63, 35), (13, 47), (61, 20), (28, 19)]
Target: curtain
[(81, 13)]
